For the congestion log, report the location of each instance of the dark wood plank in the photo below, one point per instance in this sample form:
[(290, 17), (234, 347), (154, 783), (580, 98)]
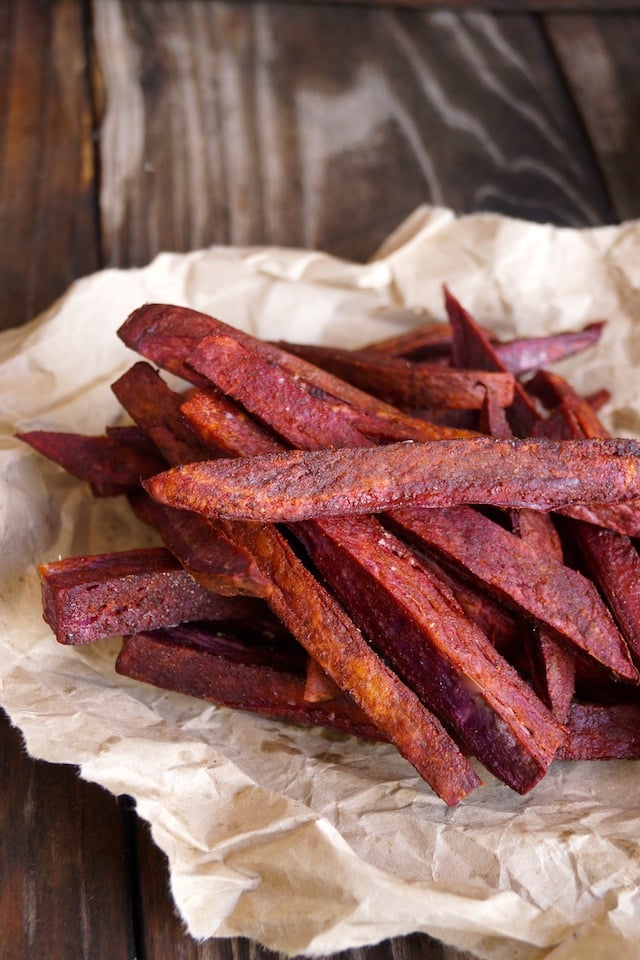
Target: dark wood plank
[(599, 56), (45, 156), (64, 888), (47, 216), (64, 877), (328, 143)]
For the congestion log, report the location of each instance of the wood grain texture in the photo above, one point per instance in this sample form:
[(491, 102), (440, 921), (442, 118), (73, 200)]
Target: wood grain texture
[(47, 210), (225, 123), (599, 56), (63, 872), (64, 887)]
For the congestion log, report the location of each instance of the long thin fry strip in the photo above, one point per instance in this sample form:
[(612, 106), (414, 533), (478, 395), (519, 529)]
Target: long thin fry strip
[(223, 425), (167, 335), (384, 426), (326, 632), (612, 561), (553, 671), (91, 597), (552, 664), (298, 485), (571, 607), (522, 355), (110, 466), (221, 421), (235, 674), (493, 419), (407, 384), (471, 347), (622, 518), (432, 341), (451, 664)]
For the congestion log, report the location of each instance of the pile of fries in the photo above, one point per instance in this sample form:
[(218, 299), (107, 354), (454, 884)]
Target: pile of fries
[(427, 542)]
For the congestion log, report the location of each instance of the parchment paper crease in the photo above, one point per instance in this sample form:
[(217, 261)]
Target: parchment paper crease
[(304, 840)]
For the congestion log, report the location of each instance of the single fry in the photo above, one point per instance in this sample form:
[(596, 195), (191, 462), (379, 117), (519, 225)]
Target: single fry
[(552, 665), (431, 342), (525, 354), (299, 485), (406, 384), (89, 598)]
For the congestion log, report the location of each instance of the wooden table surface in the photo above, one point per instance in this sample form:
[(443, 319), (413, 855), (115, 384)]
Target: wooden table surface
[(133, 126)]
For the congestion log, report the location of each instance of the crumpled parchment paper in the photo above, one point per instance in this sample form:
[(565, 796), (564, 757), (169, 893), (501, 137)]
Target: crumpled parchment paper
[(305, 840)]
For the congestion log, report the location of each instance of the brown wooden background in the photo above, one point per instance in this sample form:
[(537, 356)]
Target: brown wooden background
[(133, 126)]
